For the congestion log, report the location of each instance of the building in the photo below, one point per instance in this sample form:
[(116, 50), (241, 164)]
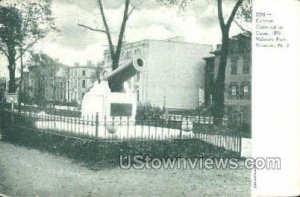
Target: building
[(2, 84), (25, 81), (60, 81), (237, 76), (2, 87), (80, 79), (61, 84), (174, 72)]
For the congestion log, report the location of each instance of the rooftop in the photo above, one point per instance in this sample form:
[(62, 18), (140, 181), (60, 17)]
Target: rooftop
[(89, 64), (238, 44), (175, 40)]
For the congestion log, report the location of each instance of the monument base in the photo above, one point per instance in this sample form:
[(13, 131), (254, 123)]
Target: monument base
[(108, 105)]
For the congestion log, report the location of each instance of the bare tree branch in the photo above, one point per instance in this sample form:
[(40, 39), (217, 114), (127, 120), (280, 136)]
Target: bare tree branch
[(28, 47), (92, 29), (240, 26), (3, 51), (130, 12), (232, 15), (111, 46)]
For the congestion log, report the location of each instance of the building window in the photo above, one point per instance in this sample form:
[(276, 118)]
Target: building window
[(83, 73), (246, 65), (83, 83), (233, 89), (245, 90), (234, 65), (108, 58), (82, 95)]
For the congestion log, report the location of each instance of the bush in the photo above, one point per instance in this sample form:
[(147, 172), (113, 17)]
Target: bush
[(108, 152), (148, 112)]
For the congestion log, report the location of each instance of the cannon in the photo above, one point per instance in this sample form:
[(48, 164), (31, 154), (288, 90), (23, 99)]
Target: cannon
[(110, 97), (124, 72)]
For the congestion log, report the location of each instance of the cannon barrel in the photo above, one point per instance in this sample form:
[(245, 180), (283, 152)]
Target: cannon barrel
[(124, 72)]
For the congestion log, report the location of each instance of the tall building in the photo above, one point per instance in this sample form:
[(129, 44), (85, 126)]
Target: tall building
[(80, 79), (174, 72), (237, 75)]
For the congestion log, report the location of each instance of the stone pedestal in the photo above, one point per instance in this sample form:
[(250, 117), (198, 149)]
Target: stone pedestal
[(108, 104)]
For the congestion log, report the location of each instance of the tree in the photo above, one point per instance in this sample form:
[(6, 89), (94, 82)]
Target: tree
[(219, 84), (42, 69), (36, 23), (115, 52), (10, 38), (225, 25), (22, 24)]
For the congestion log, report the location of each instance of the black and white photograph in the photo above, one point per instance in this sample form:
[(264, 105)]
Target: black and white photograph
[(131, 97)]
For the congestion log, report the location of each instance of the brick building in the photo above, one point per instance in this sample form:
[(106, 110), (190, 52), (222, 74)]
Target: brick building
[(80, 79), (237, 77), (174, 72)]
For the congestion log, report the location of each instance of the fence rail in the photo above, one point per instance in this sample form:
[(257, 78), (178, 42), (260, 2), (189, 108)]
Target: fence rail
[(125, 128)]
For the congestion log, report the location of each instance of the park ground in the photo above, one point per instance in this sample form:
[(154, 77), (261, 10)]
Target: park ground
[(29, 172)]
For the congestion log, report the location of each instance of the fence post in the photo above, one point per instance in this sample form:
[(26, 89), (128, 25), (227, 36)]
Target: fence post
[(97, 123)]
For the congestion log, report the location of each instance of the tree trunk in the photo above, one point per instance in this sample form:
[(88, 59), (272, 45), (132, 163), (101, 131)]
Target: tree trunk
[(219, 89), (11, 67), (54, 94), (114, 85), (116, 58), (111, 46), (11, 83), (21, 82)]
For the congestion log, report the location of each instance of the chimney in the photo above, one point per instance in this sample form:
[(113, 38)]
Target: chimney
[(76, 64)]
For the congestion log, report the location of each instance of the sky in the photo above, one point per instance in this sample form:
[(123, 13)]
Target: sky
[(198, 24)]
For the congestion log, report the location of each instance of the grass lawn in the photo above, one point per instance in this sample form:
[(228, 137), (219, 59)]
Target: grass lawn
[(28, 172)]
